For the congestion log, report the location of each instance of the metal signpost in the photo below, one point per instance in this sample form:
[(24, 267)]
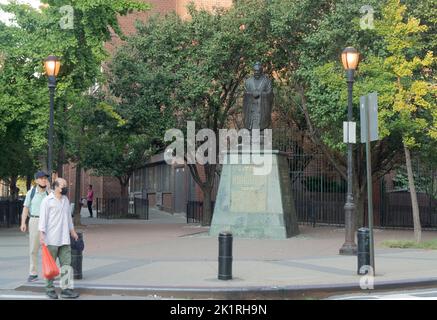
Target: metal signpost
[(369, 132)]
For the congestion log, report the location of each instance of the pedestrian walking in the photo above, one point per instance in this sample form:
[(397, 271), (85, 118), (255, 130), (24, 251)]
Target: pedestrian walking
[(31, 210), (90, 199), (56, 226)]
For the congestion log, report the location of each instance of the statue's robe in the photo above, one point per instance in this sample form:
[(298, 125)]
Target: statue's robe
[(257, 111)]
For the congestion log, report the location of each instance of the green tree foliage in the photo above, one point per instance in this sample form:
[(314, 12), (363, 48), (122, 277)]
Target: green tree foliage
[(109, 148), (313, 83), (177, 70), (195, 69), (414, 98), (24, 45), (318, 96), (192, 69)]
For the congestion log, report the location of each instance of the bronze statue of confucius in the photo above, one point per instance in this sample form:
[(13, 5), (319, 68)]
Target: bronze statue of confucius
[(258, 100)]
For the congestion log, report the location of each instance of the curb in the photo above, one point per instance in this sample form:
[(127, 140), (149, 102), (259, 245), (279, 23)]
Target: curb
[(239, 293)]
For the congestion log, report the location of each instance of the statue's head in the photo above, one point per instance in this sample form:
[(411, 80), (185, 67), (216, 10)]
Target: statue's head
[(257, 70)]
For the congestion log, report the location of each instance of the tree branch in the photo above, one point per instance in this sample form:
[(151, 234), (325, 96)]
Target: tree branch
[(315, 138)]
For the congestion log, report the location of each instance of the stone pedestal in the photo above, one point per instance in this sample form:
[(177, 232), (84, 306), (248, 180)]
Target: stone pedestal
[(253, 205)]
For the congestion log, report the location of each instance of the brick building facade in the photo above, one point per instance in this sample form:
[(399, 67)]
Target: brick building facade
[(104, 187), (4, 189), (127, 23), (167, 187)]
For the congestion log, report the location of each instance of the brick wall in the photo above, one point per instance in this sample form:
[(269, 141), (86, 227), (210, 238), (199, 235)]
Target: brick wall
[(167, 202), (104, 187), (152, 199), (111, 187), (127, 22), (205, 4), (198, 192), (4, 190)]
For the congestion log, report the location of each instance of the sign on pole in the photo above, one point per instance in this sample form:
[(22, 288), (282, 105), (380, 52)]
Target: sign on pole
[(349, 132), (373, 117), (369, 133)]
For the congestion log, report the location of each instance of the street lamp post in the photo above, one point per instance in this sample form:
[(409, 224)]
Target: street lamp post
[(350, 59), (52, 66)]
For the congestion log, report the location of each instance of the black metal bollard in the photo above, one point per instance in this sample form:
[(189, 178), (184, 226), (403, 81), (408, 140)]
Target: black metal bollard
[(76, 256), (225, 256), (363, 252)]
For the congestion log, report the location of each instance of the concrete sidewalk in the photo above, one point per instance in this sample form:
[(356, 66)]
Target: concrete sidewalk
[(167, 257)]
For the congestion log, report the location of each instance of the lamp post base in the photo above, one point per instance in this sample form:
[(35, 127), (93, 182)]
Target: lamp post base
[(348, 249)]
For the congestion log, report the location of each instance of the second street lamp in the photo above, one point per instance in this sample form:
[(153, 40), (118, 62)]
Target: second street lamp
[(350, 59), (51, 66)]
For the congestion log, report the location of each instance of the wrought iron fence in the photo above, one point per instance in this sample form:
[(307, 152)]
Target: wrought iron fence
[(319, 208), (122, 208), (10, 212), (141, 208), (396, 210), (320, 200), (328, 209), (319, 191), (195, 211), (319, 197)]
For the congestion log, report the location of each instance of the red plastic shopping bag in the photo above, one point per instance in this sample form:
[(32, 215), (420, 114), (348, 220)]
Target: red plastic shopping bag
[(49, 268)]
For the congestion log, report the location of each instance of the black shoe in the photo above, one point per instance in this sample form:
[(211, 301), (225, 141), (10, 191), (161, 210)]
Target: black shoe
[(32, 278), (52, 294), (69, 294)]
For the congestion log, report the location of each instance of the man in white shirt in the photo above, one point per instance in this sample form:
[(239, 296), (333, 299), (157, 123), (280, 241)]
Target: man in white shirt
[(32, 204), (56, 226)]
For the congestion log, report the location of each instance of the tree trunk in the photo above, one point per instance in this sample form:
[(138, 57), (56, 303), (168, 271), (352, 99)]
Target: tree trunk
[(414, 204), (124, 196), (206, 187), (207, 207), (13, 190), (77, 202), (28, 182), (124, 190)]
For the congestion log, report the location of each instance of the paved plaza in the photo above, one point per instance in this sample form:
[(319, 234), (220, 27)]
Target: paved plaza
[(164, 255)]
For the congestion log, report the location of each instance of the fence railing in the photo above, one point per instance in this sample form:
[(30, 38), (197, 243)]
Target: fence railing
[(396, 210), (307, 212), (122, 208), (195, 211), (10, 213), (317, 208), (330, 211), (319, 191)]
